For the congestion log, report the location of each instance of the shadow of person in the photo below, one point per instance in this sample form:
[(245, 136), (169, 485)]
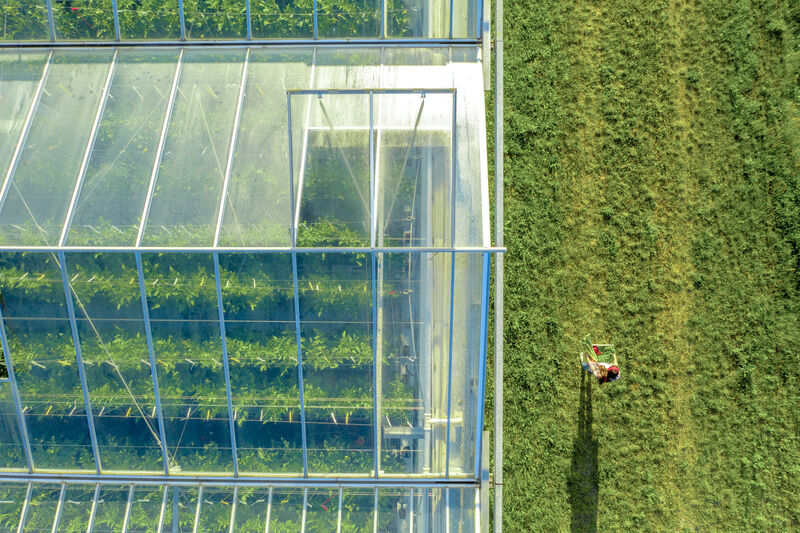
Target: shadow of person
[(583, 482)]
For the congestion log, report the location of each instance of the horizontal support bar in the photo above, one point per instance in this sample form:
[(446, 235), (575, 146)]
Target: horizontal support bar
[(243, 481), (419, 90), (361, 43), (277, 249)]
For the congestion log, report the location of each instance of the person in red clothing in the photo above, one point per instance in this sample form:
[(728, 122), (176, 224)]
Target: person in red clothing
[(604, 372)]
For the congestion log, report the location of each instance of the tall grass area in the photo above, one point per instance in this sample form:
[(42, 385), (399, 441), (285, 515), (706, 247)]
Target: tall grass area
[(653, 200)]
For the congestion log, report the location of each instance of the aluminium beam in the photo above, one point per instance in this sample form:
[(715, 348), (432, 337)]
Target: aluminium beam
[(418, 482), (115, 9), (59, 508), (26, 505), (197, 509), (305, 507), (498, 276), (226, 366), (79, 357), (249, 20), (26, 128), (148, 332), (339, 513), (453, 172), (88, 151), (51, 23), (234, 505), (160, 149), (12, 380), (163, 511), (269, 510), (469, 43), (484, 341), (257, 249), (182, 17), (128, 505), (93, 510), (373, 276), (232, 148)]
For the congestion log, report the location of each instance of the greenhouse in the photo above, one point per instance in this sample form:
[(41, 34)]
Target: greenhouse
[(244, 281)]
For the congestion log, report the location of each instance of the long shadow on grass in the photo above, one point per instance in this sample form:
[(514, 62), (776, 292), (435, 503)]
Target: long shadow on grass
[(583, 480)]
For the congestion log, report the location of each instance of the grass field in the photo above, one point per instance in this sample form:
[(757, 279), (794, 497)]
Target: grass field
[(653, 200)]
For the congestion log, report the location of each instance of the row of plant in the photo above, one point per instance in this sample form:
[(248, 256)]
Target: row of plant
[(204, 19), (253, 504)]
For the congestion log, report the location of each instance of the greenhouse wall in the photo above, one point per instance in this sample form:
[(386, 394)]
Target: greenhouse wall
[(244, 265)]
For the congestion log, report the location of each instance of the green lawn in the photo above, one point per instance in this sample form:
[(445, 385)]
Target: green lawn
[(653, 200)]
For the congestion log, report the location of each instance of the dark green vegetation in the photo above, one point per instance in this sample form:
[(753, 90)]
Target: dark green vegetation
[(652, 154)]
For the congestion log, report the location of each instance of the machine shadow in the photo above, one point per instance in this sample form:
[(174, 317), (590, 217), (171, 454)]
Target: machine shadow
[(583, 481)]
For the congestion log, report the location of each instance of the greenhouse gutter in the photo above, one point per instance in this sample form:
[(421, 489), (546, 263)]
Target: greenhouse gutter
[(267, 43), (257, 249), (498, 277), (242, 481)]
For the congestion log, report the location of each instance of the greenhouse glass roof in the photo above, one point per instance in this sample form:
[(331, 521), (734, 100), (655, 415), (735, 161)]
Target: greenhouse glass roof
[(243, 287)]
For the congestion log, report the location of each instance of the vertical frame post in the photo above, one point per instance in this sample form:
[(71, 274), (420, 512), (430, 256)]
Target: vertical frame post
[(450, 33), (88, 151), (234, 505), (498, 275), (249, 19), (115, 9), (293, 231), (373, 275), (37, 97), (26, 505), (163, 511), (197, 509), (384, 19), (126, 520), (339, 514), (12, 380), (152, 357), (452, 278), (226, 366), (93, 511), (59, 507), (316, 27), (484, 336), (232, 148), (79, 356), (269, 510), (305, 506), (183, 20), (160, 149), (375, 511), (51, 21)]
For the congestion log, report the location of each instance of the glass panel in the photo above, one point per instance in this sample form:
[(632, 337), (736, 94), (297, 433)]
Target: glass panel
[(251, 510), (24, 20), (322, 509), (462, 510), (418, 18), (413, 140), (394, 507), (287, 510), (12, 498), (185, 203), (331, 160), (109, 208), (180, 510), (43, 355), (111, 506), (215, 511), (212, 19), (12, 455), (336, 327), (41, 512), (38, 196), (84, 20), (465, 17), (149, 19), (343, 19), (466, 357), (76, 508), (182, 297), (257, 207), (358, 510), (258, 299), (145, 509), (287, 19), (413, 336), (108, 310), (20, 73)]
